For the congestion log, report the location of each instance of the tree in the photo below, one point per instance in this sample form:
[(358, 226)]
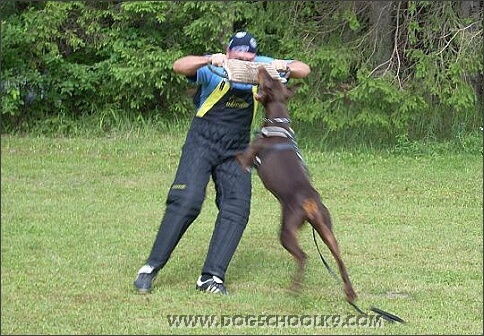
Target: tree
[(379, 69)]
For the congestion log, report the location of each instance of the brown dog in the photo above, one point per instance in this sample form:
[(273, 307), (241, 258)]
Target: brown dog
[(284, 174)]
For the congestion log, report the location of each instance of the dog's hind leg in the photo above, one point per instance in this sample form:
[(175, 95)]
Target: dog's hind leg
[(291, 223), (319, 218)]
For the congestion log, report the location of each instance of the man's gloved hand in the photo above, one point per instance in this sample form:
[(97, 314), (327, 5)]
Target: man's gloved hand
[(280, 65), (218, 59)]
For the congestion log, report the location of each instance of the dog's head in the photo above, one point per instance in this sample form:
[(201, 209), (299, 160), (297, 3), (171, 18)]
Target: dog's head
[(273, 90)]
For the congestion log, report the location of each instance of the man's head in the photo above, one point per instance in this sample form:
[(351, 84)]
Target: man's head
[(242, 46)]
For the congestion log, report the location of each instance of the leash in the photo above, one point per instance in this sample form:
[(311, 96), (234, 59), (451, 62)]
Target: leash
[(386, 315)]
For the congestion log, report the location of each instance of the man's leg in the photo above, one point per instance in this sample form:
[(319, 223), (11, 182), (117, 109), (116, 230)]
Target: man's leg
[(233, 187), (183, 205)]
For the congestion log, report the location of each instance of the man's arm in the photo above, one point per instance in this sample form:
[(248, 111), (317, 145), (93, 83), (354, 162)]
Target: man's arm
[(299, 69), (188, 65)]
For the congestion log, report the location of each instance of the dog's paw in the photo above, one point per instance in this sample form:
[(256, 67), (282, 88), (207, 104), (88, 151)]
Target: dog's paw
[(350, 294), (243, 163)]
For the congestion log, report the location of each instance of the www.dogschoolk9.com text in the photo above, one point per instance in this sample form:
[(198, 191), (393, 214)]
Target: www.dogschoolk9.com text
[(275, 321)]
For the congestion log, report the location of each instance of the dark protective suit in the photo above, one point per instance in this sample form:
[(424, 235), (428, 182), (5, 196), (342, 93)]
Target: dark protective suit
[(220, 129)]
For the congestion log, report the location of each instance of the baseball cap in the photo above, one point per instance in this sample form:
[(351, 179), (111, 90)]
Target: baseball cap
[(243, 41)]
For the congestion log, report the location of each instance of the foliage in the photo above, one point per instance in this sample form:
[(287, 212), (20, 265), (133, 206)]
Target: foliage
[(426, 89), (112, 60)]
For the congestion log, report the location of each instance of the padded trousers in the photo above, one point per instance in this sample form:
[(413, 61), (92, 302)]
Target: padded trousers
[(209, 151)]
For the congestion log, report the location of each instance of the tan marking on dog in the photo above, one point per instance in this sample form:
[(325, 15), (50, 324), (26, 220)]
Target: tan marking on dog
[(311, 208)]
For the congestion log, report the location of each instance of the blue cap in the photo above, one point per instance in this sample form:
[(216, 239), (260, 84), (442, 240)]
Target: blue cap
[(243, 41)]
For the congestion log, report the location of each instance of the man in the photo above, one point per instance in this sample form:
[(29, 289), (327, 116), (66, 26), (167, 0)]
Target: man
[(220, 129)]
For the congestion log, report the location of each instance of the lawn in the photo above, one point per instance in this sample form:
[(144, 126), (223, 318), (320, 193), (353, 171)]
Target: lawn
[(79, 216)]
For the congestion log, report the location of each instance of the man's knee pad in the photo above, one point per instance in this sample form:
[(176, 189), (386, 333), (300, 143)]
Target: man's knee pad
[(184, 200), (236, 211)]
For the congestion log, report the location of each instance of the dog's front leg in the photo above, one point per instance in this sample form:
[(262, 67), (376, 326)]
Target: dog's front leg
[(247, 157)]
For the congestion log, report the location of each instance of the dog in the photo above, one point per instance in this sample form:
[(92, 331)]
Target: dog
[(274, 154)]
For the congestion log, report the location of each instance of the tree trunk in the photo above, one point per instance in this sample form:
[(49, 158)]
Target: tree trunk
[(381, 22), (474, 9), (471, 9)]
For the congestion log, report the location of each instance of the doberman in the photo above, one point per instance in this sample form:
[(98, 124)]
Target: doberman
[(283, 172)]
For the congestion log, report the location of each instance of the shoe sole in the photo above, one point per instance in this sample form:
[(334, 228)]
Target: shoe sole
[(143, 291), (207, 291)]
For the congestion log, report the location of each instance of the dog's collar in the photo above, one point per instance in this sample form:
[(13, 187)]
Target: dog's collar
[(277, 120), (270, 131)]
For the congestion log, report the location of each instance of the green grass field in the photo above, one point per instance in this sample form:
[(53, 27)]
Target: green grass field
[(79, 216)]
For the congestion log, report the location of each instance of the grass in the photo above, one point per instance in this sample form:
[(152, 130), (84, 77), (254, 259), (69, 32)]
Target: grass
[(79, 216)]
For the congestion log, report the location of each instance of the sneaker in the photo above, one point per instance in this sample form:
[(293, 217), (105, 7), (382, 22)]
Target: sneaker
[(144, 280), (212, 285)]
